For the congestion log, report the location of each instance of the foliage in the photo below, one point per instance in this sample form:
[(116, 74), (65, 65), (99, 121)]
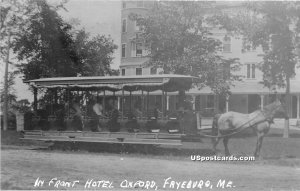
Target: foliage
[(11, 96), (50, 48), (46, 45), (95, 54), (274, 26), (14, 17), (178, 38), (22, 106), (280, 58), (11, 83)]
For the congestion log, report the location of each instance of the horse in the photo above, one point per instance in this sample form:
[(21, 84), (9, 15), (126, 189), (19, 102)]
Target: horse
[(230, 123)]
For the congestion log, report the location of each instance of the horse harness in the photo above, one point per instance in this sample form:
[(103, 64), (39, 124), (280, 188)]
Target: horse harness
[(268, 119)]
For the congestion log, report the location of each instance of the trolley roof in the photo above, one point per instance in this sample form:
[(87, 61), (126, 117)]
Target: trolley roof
[(166, 82)]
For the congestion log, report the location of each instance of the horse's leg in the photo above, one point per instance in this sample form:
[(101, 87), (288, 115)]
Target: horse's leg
[(261, 130), (225, 142), (215, 132), (260, 144), (215, 143), (260, 136)]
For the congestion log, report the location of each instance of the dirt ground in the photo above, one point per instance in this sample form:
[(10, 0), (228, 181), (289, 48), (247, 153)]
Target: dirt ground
[(21, 168), (278, 169)]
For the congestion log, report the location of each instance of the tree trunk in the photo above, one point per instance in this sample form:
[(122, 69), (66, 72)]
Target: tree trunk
[(5, 109), (287, 102)]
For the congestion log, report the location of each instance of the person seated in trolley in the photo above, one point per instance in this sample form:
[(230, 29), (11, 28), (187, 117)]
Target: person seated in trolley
[(76, 114), (95, 112), (98, 109), (113, 115), (132, 124), (156, 112), (137, 112)]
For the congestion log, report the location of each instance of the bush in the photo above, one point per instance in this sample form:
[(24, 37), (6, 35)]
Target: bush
[(11, 120)]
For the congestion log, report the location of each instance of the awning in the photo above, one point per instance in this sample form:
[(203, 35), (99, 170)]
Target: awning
[(166, 82)]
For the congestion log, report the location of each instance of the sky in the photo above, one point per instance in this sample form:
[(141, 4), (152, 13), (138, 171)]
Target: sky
[(97, 17)]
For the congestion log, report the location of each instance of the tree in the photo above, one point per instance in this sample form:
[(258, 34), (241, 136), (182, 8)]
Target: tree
[(13, 17), (49, 47), (10, 85), (46, 45), (274, 26), (95, 54), (179, 41)]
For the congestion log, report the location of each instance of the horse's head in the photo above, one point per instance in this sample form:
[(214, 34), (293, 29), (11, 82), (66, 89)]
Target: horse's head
[(277, 107)]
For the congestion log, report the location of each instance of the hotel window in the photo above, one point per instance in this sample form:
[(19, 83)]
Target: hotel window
[(139, 49), (227, 44), (124, 5), (153, 71), (123, 50), (138, 71), (124, 27), (251, 71), (140, 3), (123, 72)]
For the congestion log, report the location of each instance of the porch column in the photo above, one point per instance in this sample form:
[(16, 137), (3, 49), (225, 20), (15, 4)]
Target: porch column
[(194, 102), (103, 101), (130, 101), (35, 100), (298, 106), (227, 103), (122, 102), (142, 104), (147, 104), (168, 102), (68, 101), (298, 110), (119, 104), (262, 102), (162, 104)]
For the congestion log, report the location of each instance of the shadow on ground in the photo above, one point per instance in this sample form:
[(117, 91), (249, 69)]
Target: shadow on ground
[(129, 149), (274, 146)]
